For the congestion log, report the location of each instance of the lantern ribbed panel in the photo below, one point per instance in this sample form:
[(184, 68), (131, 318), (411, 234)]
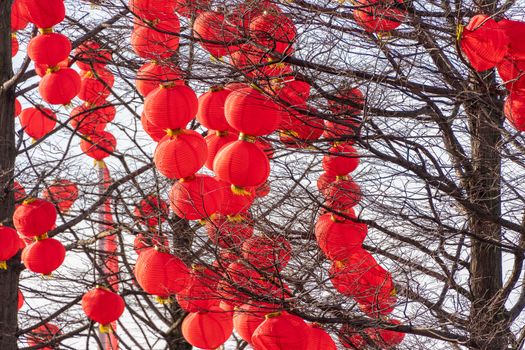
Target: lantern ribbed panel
[(153, 9), (276, 32), (229, 234), (323, 181), (284, 332), (195, 199), (351, 338), (60, 87), (9, 243), (62, 192), (49, 48), (353, 95), (267, 253), (514, 31), (207, 330), (96, 88), (215, 143), (151, 43), (254, 62), (211, 109), (44, 14), (515, 110), (343, 194), (37, 122), (386, 338), (91, 56), (187, 8), (341, 160), (151, 74), (99, 145), (233, 204), (242, 164), (319, 339), (338, 240), (181, 155), (34, 218), (211, 26), (44, 256), (151, 209), (102, 306), (345, 128), (512, 72), (345, 275), (170, 107), (378, 19), (198, 295), (18, 20), (153, 131), (246, 319)]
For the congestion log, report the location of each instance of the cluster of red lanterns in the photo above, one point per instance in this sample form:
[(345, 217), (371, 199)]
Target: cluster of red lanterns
[(488, 44)]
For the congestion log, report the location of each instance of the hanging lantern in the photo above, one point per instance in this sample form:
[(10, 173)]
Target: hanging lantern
[(341, 160), (233, 204), (161, 274), (242, 164), (215, 141), (514, 31), (254, 62), (244, 13), (44, 256), (59, 86), (263, 190), (290, 90), (345, 275), (280, 330), (170, 106), (19, 191), (189, 8), (14, 45), (512, 72), (266, 253), (34, 217), (323, 181), (343, 194), (18, 107), (159, 42), (247, 318), (216, 34), (62, 192), (342, 130), (21, 300), (37, 122), (387, 338), (207, 330), (43, 334), (319, 339), (153, 74), (195, 198), (339, 239), (9, 245), (99, 146), (103, 306), (514, 109), (351, 338), (145, 241), (274, 31), (41, 69), (377, 19), (180, 154), (95, 87), (484, 43), (90, 56), (44, 14), (354, 106), (153, 10), (49, 48), (252, 113), (377, 304), (229, 231), (299, 129), (154, 132), (152, 210), (89, 119), (197, 296), (211, 109), (18, 19)]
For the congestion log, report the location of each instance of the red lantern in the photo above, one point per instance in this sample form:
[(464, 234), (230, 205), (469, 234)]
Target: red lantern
[(62, 192), (43, 334), (60, 86), (342, 130), (14, 45), (252, 113), (152, 74), (153, 10), (263, 190), (247, 318), (95, 87), (257, 63), (197, 296), (512, 73), (41, 69), (21, 300), (377, 305), (207, 330), (50, 48), (354, 106), (99, 146), (195, 198), (151, 211), (300, 129), (18, 18), (323, 181), (215, 141), (159, 42), (514, 31), (351, 338), (170, 107), (161, 274), (216, 34), (484, 43), (373, 18), (154, 132), (515, 110), (343, 194), (189, 8), (274, 31), (319, 339), (34, 217), (180, 154), (103, 306), (339, 239), (242, 164), (267, 253), (387, 338), (9, 245), (233, 204), (244, 13), (89, 56), (37, 122), (341, 160), (19, 191), (229, 231), (44, 14), (345, 275), (90, 119), (44, 256), (18, 107), (143, 242), (211, 109), (282, 331)]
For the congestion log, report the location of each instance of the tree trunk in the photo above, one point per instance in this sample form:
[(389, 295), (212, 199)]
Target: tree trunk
[(489, 327), (8, 278)]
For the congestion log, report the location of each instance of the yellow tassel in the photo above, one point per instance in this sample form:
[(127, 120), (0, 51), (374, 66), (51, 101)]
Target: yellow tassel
[(240, 191), (45, 30), (334, 218), (393, 293), (235, 218), (174, 132), (203, 222), (105, 328), (341, 177), (339, 264), (272, 314), (33, 140), (164, 301), (247, 138), (13, 35), (99, 164), (459, 31), (3, 265), (41, 237), (221, 133), (47, 276), (29, 200)]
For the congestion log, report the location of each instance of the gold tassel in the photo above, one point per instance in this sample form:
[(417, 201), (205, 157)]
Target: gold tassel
[(247, 138), (459, 31), (240, 191), (272, 314), (45, 30), (3, 265), (163, 301), (29, 200), (105, 328), (99, 164), (41, 237)]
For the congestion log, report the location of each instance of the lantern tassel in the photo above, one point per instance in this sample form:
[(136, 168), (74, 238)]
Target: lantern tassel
[(3, 265), (105, 328), (163, 301), (99, 164), (240, 191)]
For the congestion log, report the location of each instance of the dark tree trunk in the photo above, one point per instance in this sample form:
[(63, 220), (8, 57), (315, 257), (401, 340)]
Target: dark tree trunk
[(9, 277)]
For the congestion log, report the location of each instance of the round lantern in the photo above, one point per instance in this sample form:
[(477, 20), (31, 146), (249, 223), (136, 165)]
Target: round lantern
[(99, 146), (18, 107), (252, 113), (62, 192), (197, 296), (155, 43), (9, 245), (153, 10), (374, 18), (188, 8), (319, 339), (484, 43), (41, 69), (170, 106), (341, 160), (34, 217), (230, 231), (151, 210), (343, 194), (267, 253), (512, 72), (49, 49), (103, 306), (299, 129), (215, 141), (180, 154), (290, 90), (242, 164), (344, 130), (339, 239), (37, 122), (195, 198), (44, 256), (280, 330), (263, 190), (44, 14), (234, 204), (21, 300), (387, 338), (19, 191), (95, 87), (323, 181), (90, 56), (514, 31), (351, 338), (215, 33), (247, 318), (18, 18), (207, 330), (255, 62), (274, 31), (60, 86), (211, 109), (14, 45), (244, 13), (153, 131), (345, 275), (515, 110), (377, 304), (354, 106), (43, 334), (152, 74), (90, 119)]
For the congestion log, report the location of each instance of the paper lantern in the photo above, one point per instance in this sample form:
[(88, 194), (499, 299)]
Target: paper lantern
[(9, 245), (291, 90), (345, 275), (512, 72), (189, 8), (34, 217), (299, 129), (44, 14), (37, 122), (180, 154), (44, 256), (43, 334), (374, 19), (50, 48), (387, 338), (14, 45), (281, 331), (233, 204), (244, 13), (377, 304), (247, 318), (151, 210), (254, 62), (514, 31), (343, 194), (95, 87), (59, 87), (345, 130), (18, 107), (19, 191), (90, 56), (156, 43), (211, 109), (153, 10), (263, 190), (340, 160), (197, 296), (99, 146), (274, 31), (153, 131), (484, 43), (352, 102), (319, 339), (267, 253), (339, 239), (62, 192), (229, 231), (19, 19), (216, 34), (514, 110), (351, 338), (21, 300), (152, 74), (41, 69), (195, 198), (89, 119), (207, 330), (215, 141), (103, 306)]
